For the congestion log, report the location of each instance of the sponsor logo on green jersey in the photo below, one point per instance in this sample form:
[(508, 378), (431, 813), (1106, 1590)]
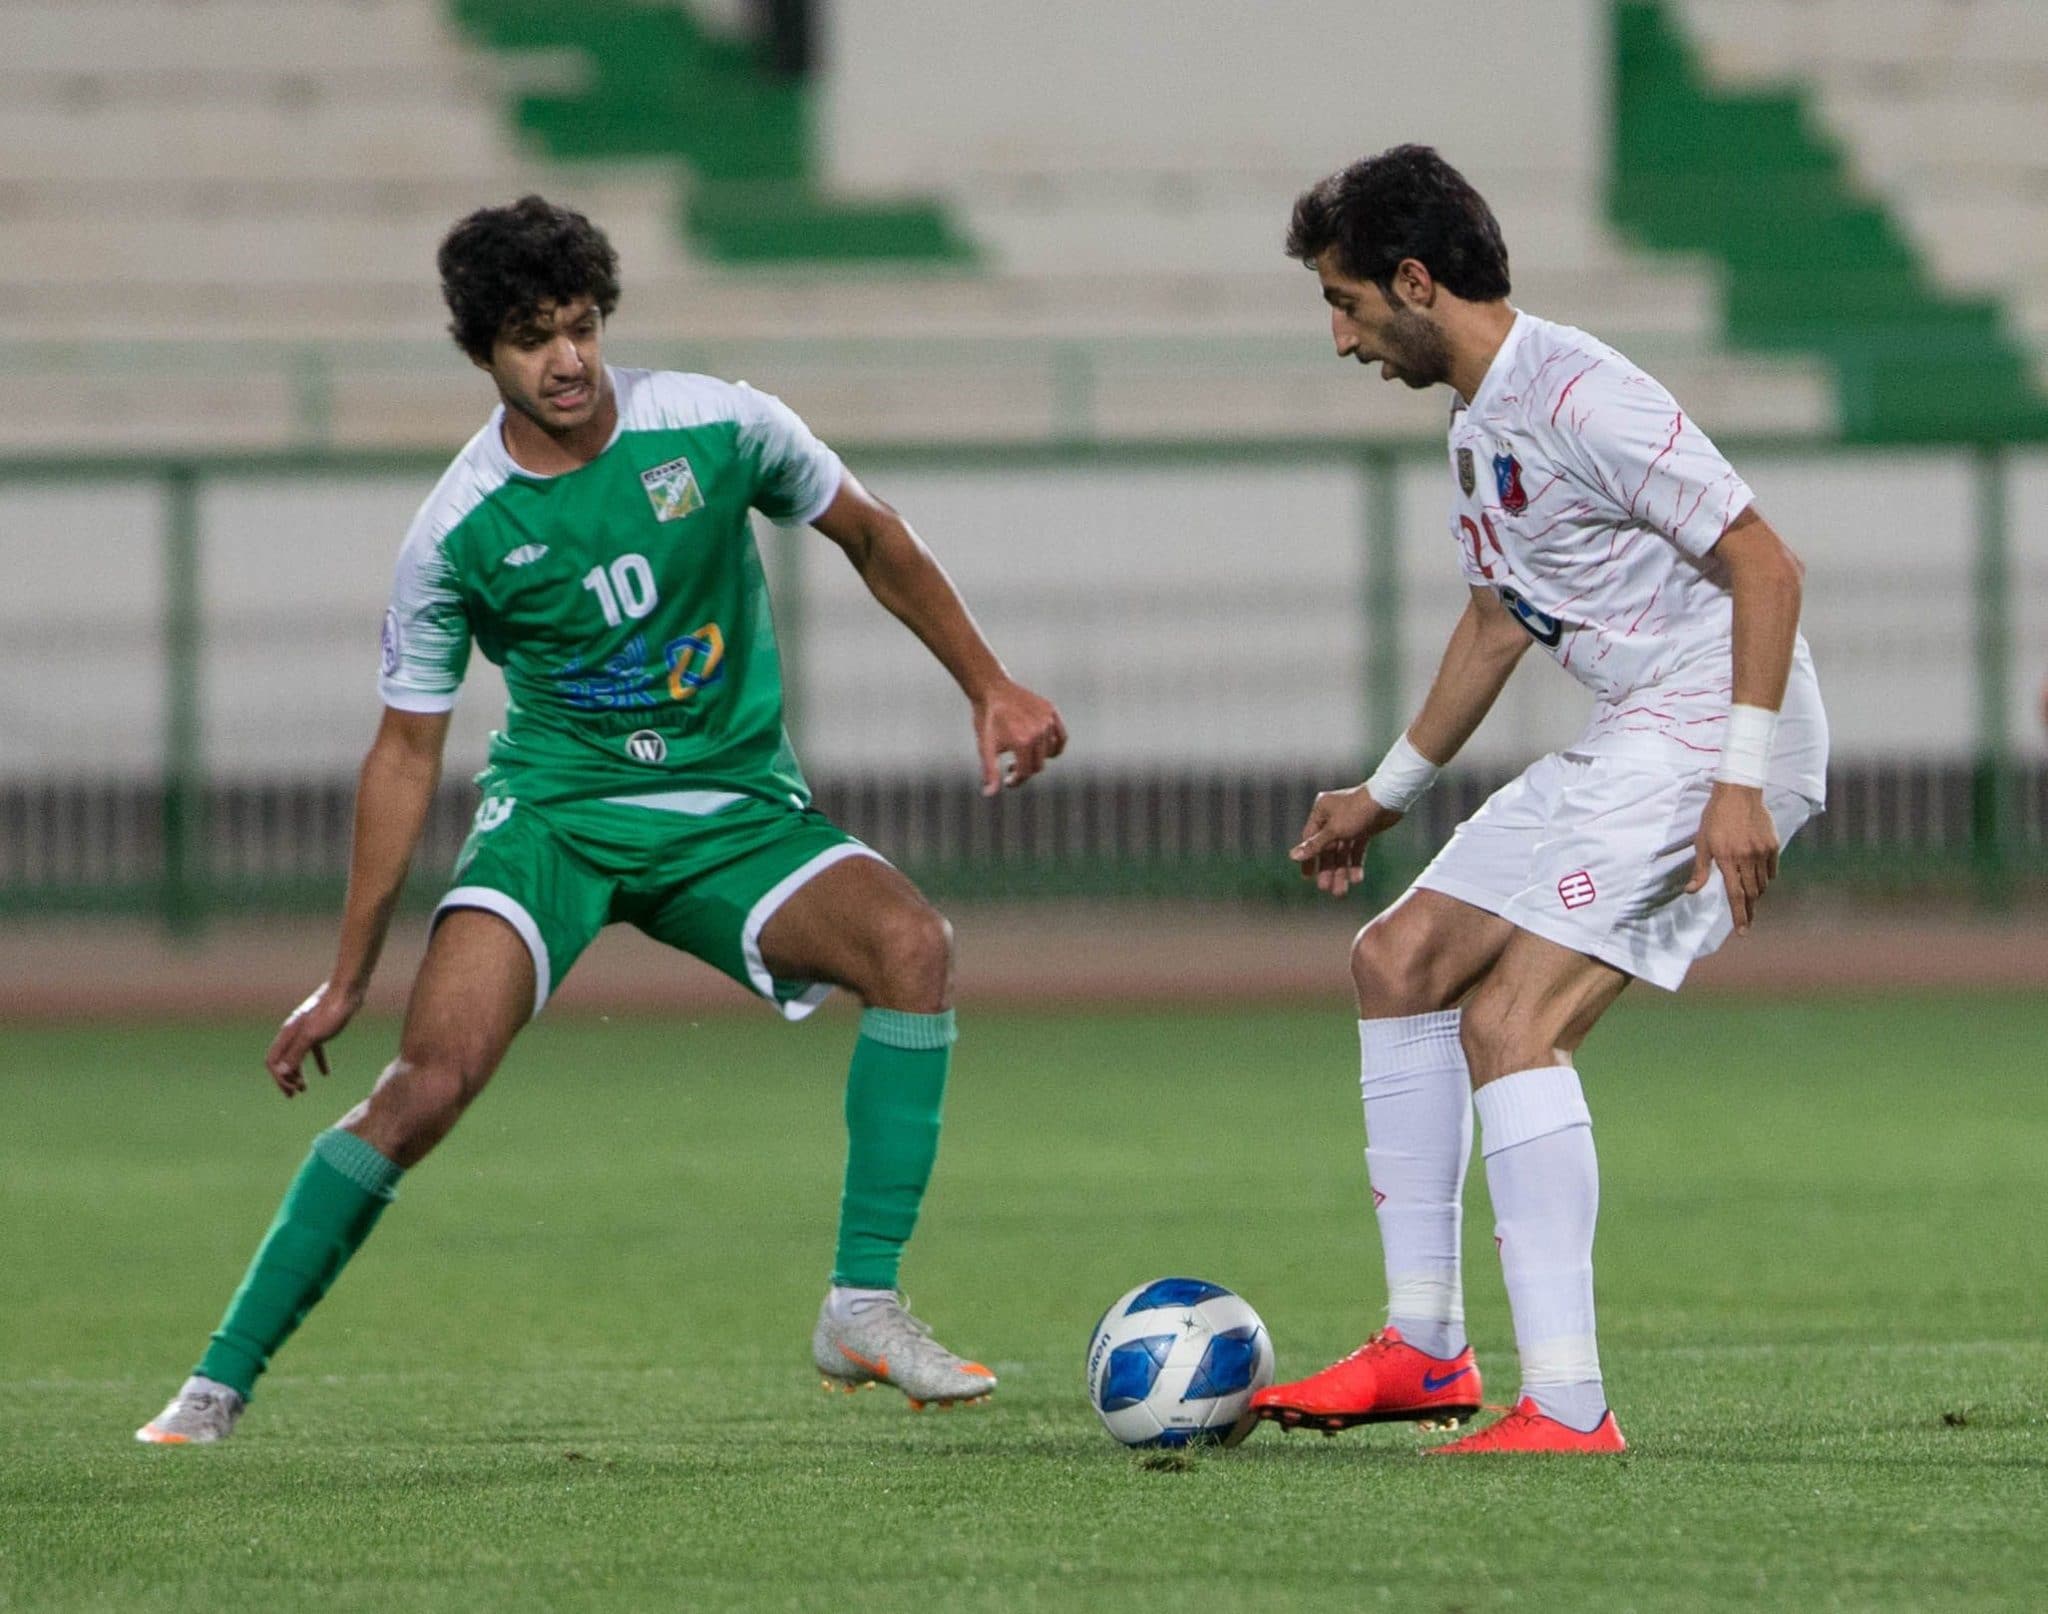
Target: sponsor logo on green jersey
[(634, 680)]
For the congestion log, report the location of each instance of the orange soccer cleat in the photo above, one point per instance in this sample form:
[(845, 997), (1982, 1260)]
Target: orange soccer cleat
[(1528, 1429), (1386, 1380)]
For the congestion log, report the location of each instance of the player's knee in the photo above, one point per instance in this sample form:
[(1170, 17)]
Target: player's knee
[(420, 1096), (1479, 1033), (914, 960), (1392, 975), (1501, 1035)]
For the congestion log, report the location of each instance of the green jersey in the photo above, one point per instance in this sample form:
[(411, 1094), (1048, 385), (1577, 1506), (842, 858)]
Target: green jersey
[(624, 600)]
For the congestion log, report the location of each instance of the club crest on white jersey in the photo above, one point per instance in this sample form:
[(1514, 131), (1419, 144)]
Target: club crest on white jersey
[(1590, 504)]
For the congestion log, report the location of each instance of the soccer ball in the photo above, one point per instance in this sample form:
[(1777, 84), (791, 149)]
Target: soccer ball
[(1175, 1362)]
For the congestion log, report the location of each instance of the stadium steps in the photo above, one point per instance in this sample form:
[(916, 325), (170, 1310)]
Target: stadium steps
[(188, 395), (1234, 222), (1814, 264), (1943, 110), (219, 219), (241, 271), (663, 86), (91, 40)]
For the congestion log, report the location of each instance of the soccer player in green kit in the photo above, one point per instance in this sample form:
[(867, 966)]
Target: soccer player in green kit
[(593, 540)]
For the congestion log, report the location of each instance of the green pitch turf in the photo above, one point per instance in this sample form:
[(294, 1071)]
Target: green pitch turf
[(570, 1370)]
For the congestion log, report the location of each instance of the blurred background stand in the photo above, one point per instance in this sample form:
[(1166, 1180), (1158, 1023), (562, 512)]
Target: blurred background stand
[(1022, 265)]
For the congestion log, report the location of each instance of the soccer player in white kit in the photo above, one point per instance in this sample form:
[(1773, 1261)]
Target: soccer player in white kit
[(1589, 516)]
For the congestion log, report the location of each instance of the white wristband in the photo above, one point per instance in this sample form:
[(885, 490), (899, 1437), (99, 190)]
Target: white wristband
[(1403, 775), (1746, 754)]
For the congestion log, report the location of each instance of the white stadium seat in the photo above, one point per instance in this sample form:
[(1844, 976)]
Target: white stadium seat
[(256, 143), (307, 36), (278, 172)]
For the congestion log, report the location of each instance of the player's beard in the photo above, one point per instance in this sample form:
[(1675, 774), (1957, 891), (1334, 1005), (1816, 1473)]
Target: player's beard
[(1415, 350)]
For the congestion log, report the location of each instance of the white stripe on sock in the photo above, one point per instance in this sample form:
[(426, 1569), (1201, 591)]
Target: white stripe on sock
[(1426, 1297), (1573, 1359)]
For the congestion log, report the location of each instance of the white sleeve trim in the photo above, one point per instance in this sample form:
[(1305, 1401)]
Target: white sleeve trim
[(413, 700), (824, 504)]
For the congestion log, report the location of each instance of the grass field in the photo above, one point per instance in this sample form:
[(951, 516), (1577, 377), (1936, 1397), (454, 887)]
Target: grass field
[(570, 1371)]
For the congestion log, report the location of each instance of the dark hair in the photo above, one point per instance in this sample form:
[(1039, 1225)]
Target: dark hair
[(502, 263), (1404, 203)]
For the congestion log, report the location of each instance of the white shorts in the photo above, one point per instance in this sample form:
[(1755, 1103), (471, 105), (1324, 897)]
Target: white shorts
[(1593, 853)]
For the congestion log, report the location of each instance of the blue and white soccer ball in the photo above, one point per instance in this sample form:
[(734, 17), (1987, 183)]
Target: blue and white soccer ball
[(1175, 1362)]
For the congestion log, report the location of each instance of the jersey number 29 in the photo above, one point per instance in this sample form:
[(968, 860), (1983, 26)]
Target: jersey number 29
[(626, 591)]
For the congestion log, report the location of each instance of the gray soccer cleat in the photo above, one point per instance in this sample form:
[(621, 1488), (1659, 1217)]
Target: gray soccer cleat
[(201, 1413), (872, 1339)]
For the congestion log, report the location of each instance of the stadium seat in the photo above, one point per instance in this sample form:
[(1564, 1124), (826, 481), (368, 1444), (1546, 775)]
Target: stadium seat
[(312, 37), (192, 173), (1938, 110)]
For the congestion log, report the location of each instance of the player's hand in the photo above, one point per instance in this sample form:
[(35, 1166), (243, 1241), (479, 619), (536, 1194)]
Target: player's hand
[(1332, 847), (1738, 838), (307, 1030), (1009, 720)]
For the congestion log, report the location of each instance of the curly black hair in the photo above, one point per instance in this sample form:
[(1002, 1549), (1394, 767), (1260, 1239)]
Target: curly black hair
[(502, 263), (1406, 202)]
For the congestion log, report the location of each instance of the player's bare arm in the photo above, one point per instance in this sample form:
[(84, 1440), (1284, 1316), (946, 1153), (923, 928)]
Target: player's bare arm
[(1483, 651), (1736, 834), (907, 578), (393, 794)]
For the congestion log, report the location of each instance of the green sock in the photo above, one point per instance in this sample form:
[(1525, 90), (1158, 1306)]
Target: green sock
[(327, 1212), (893, 1094)]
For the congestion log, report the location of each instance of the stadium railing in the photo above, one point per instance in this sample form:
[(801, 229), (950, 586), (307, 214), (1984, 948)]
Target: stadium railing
[(183, 838)]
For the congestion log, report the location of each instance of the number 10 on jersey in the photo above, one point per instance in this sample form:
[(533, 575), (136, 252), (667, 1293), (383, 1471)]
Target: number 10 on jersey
[(624, 589)]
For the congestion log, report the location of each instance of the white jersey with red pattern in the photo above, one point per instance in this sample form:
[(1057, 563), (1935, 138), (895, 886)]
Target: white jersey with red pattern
[(1592, 504)]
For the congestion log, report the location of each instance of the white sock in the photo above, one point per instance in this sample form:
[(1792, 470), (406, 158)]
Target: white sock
[(1537, 1136), (1418, 1128)]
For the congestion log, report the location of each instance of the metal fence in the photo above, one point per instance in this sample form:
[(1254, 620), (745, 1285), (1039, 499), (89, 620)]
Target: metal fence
[(185, 817)]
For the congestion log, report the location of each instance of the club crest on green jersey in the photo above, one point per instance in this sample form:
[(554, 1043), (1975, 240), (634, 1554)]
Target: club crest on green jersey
[(672, 490)]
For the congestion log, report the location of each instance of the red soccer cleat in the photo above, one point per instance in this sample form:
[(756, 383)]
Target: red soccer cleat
[(1527, 1429), (1386, 1380)]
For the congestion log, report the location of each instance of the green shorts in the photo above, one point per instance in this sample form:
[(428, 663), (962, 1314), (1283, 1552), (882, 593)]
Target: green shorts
[(700, 871)]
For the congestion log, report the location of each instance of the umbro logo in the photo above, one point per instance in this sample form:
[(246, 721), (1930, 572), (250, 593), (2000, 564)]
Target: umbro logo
[(526, 554)]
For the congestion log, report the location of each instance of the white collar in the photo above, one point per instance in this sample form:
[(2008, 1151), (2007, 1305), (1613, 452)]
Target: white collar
[(1502, 361)]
